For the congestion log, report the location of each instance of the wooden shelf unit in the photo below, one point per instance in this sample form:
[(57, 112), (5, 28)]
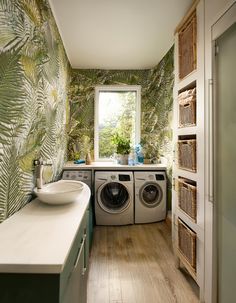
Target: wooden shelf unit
[(195, 78)]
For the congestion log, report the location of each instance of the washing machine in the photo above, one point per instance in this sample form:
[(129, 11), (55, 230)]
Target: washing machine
[(150, 196), (114, 198)]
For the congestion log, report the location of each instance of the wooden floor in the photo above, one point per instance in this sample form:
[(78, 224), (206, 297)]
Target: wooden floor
[(135, 264)]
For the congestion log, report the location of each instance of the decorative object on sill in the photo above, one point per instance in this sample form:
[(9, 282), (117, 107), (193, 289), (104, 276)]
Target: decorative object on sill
[(79, 161), (139, 154), (88, 159), (122, 148), (163, 160), (124, 159), (131, 159)]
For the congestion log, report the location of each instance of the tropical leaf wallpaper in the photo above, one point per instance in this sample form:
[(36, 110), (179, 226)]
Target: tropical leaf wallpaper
[(34, 76), (156, 106)]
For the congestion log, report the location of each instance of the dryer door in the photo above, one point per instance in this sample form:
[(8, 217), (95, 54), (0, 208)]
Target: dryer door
[(150, 194), (113, 197)]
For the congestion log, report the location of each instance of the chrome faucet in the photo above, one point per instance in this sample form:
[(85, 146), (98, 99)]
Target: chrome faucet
[(39, 164)]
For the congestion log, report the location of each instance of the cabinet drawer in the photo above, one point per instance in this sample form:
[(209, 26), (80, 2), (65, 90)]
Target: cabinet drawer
[(72, 257)]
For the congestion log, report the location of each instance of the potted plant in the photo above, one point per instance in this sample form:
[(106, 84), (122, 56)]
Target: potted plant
[(122, 147)]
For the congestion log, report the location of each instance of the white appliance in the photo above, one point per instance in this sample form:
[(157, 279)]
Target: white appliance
[(150, 196), (114, 198), (78, 175)]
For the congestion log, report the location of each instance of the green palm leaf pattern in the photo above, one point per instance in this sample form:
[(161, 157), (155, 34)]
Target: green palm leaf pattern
[(157, 85), (156, 106), (34, 75)]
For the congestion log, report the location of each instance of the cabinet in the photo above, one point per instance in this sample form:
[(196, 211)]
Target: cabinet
[(189, 145), (69, 286), (44, 253), (76, 286)]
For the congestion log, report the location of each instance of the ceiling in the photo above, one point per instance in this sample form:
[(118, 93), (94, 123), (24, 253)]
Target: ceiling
[(117, 34)]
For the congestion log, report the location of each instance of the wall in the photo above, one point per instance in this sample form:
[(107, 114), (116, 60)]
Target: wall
[(156, 104), (33, 86)]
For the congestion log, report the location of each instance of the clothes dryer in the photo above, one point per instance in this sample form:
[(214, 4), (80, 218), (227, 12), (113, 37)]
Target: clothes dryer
[(150, 196)]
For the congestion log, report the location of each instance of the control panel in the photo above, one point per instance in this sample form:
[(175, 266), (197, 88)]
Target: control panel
[(78, 175)]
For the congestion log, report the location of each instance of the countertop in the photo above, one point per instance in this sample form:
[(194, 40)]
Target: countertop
[(38, 238), (113, 166)]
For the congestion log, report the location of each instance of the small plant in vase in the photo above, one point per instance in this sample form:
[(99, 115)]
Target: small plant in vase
[(122, 147)]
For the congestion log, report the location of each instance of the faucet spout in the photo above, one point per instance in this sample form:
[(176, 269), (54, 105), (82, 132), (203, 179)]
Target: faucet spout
[(39, 178), (39, 164)]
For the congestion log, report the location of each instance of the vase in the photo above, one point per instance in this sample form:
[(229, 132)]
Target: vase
[(124, 159), (88, 160)]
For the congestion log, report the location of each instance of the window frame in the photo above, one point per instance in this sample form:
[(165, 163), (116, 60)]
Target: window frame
[(116, 88)]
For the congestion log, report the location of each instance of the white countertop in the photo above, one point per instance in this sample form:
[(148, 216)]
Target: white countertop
[(113, 166), (38, 238)]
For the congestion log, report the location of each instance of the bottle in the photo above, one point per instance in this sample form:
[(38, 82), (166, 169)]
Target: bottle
[(140, 157), (131, 159)]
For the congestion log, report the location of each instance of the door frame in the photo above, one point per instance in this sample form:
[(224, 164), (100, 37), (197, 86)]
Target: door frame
[(217, 29)]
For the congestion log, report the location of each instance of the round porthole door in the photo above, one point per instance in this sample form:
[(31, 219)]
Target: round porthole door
[(151, 194), (113, 197)]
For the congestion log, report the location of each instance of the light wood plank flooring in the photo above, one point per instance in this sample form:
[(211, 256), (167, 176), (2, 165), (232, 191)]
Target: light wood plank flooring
[(135, 264)]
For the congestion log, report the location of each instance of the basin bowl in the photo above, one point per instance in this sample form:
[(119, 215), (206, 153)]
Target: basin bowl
[(60, 192)]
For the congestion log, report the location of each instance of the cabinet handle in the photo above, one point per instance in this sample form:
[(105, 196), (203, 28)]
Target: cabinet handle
[(211, 142), (85, 261), (80, 251)]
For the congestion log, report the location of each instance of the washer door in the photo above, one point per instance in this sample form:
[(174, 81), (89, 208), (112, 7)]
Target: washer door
[(113, 197), (150, 194)]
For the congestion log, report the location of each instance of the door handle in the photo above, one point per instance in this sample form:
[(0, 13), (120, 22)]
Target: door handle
[(211, 142), (80, 251)]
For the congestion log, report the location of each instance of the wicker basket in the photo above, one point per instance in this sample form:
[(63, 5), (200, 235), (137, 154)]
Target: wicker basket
[(187, 243), (187, 197), (187, 158), (187, 46), (187, 108)]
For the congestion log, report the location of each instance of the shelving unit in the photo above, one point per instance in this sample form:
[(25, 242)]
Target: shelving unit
[(194, 79)]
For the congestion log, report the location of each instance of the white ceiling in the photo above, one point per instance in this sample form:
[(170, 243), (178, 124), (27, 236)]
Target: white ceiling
[(117, 34)]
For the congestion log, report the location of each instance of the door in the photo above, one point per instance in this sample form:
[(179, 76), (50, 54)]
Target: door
[(151, 194), (225, 163), (113, 197), (77, 283)]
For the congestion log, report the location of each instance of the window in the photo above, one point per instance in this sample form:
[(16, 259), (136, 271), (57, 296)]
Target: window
[(117, 110)]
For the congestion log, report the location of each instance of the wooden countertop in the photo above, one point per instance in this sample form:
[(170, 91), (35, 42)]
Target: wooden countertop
[(38, 238)]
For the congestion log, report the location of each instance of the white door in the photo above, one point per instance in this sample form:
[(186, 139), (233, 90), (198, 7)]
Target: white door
[(225, 158)]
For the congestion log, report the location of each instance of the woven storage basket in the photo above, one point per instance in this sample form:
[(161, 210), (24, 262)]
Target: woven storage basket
[(187, 158), (187, 108), (187, 46), (187, 243), (187, 197)]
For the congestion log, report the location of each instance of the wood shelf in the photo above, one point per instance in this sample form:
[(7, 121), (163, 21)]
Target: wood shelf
[(190, 130), (178, 172), (194, 79), (187, 81)]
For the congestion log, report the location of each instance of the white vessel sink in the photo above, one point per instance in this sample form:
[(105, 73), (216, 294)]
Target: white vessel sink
[(60, 192)]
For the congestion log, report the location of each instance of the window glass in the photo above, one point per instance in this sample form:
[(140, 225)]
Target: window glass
[(116, 112)]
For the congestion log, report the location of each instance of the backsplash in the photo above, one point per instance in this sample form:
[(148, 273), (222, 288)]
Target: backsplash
[(34, 75), (156, 105)]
